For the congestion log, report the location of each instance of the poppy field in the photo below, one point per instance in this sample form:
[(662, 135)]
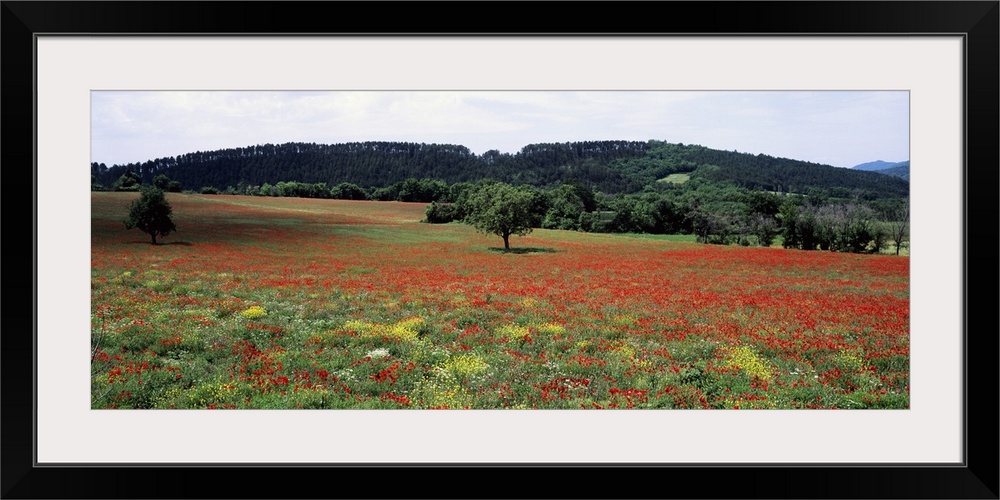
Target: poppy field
[(284, 303)]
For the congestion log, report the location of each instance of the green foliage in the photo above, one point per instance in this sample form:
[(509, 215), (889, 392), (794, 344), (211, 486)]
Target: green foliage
[(129, 181), (788, 216), (762, 203), (764, 228), (565, 207), (845, 227), (268, 190), (348, 191), (161, 182), (151, 213), (413, 190), (302, 189), (501, 209), (441, 213), (632, 215)]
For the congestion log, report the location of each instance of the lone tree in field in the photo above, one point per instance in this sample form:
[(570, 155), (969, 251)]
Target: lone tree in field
[(500, 209), (151, 214)]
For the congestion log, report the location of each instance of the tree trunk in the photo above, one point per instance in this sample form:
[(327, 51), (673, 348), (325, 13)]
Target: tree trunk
[(153, 236), (506, 242)]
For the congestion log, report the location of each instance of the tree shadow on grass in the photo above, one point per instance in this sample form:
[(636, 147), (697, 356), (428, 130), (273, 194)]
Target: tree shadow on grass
[(523, 250), (162, 243)]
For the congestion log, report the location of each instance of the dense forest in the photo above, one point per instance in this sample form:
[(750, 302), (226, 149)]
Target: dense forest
[(654, 187), (611, 167)]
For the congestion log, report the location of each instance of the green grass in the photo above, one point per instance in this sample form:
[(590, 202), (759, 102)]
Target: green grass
[(676, 178), (687, 238)]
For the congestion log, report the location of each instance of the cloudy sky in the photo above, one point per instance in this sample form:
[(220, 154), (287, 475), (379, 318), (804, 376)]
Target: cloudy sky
[(830, 127)]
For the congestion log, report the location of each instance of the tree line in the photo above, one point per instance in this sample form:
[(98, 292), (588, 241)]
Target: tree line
[(596, 186), (714, 215), (607, 166), (713, 212), (379, 164)]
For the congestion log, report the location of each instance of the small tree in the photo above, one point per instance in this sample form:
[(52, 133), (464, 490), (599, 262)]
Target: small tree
[(788, 218), (899, 221), (764, 227), (501, 209), (151, 214)]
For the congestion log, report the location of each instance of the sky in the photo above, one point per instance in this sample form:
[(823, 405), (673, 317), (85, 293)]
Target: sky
[(839, 128)]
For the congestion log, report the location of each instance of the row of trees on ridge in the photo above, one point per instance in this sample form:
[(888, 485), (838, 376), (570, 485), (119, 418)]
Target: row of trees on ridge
[(612, 167)]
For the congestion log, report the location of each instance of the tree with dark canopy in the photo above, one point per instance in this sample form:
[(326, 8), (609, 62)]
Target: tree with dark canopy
[(151, 214)]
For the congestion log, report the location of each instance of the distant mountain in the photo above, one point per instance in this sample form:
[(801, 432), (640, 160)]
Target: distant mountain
[(874, 166), (899, 169)]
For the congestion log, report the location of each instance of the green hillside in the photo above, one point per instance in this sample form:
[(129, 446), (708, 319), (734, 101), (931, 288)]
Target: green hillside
[(611, 167)]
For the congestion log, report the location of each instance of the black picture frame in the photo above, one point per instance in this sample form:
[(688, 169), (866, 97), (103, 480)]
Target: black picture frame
[(976, 21)]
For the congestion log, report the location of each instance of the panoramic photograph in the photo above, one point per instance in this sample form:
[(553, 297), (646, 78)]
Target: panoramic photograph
[(500, 250)]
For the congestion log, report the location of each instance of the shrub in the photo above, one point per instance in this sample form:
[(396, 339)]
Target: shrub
[(441, 213)]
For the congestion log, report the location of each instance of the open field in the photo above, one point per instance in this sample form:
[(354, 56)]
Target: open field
[(676, 178), (304, 303)]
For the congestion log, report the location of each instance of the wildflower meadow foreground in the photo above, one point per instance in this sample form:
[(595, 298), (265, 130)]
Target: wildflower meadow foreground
[(258, 302)]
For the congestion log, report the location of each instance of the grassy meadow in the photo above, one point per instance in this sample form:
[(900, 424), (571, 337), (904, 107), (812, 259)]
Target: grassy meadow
[(289, 303)]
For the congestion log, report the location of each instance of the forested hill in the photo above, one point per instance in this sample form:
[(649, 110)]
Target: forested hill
[(607, 166), (379, 164)]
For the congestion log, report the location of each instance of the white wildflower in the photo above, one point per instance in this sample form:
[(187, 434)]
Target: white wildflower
[(378, 353)]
